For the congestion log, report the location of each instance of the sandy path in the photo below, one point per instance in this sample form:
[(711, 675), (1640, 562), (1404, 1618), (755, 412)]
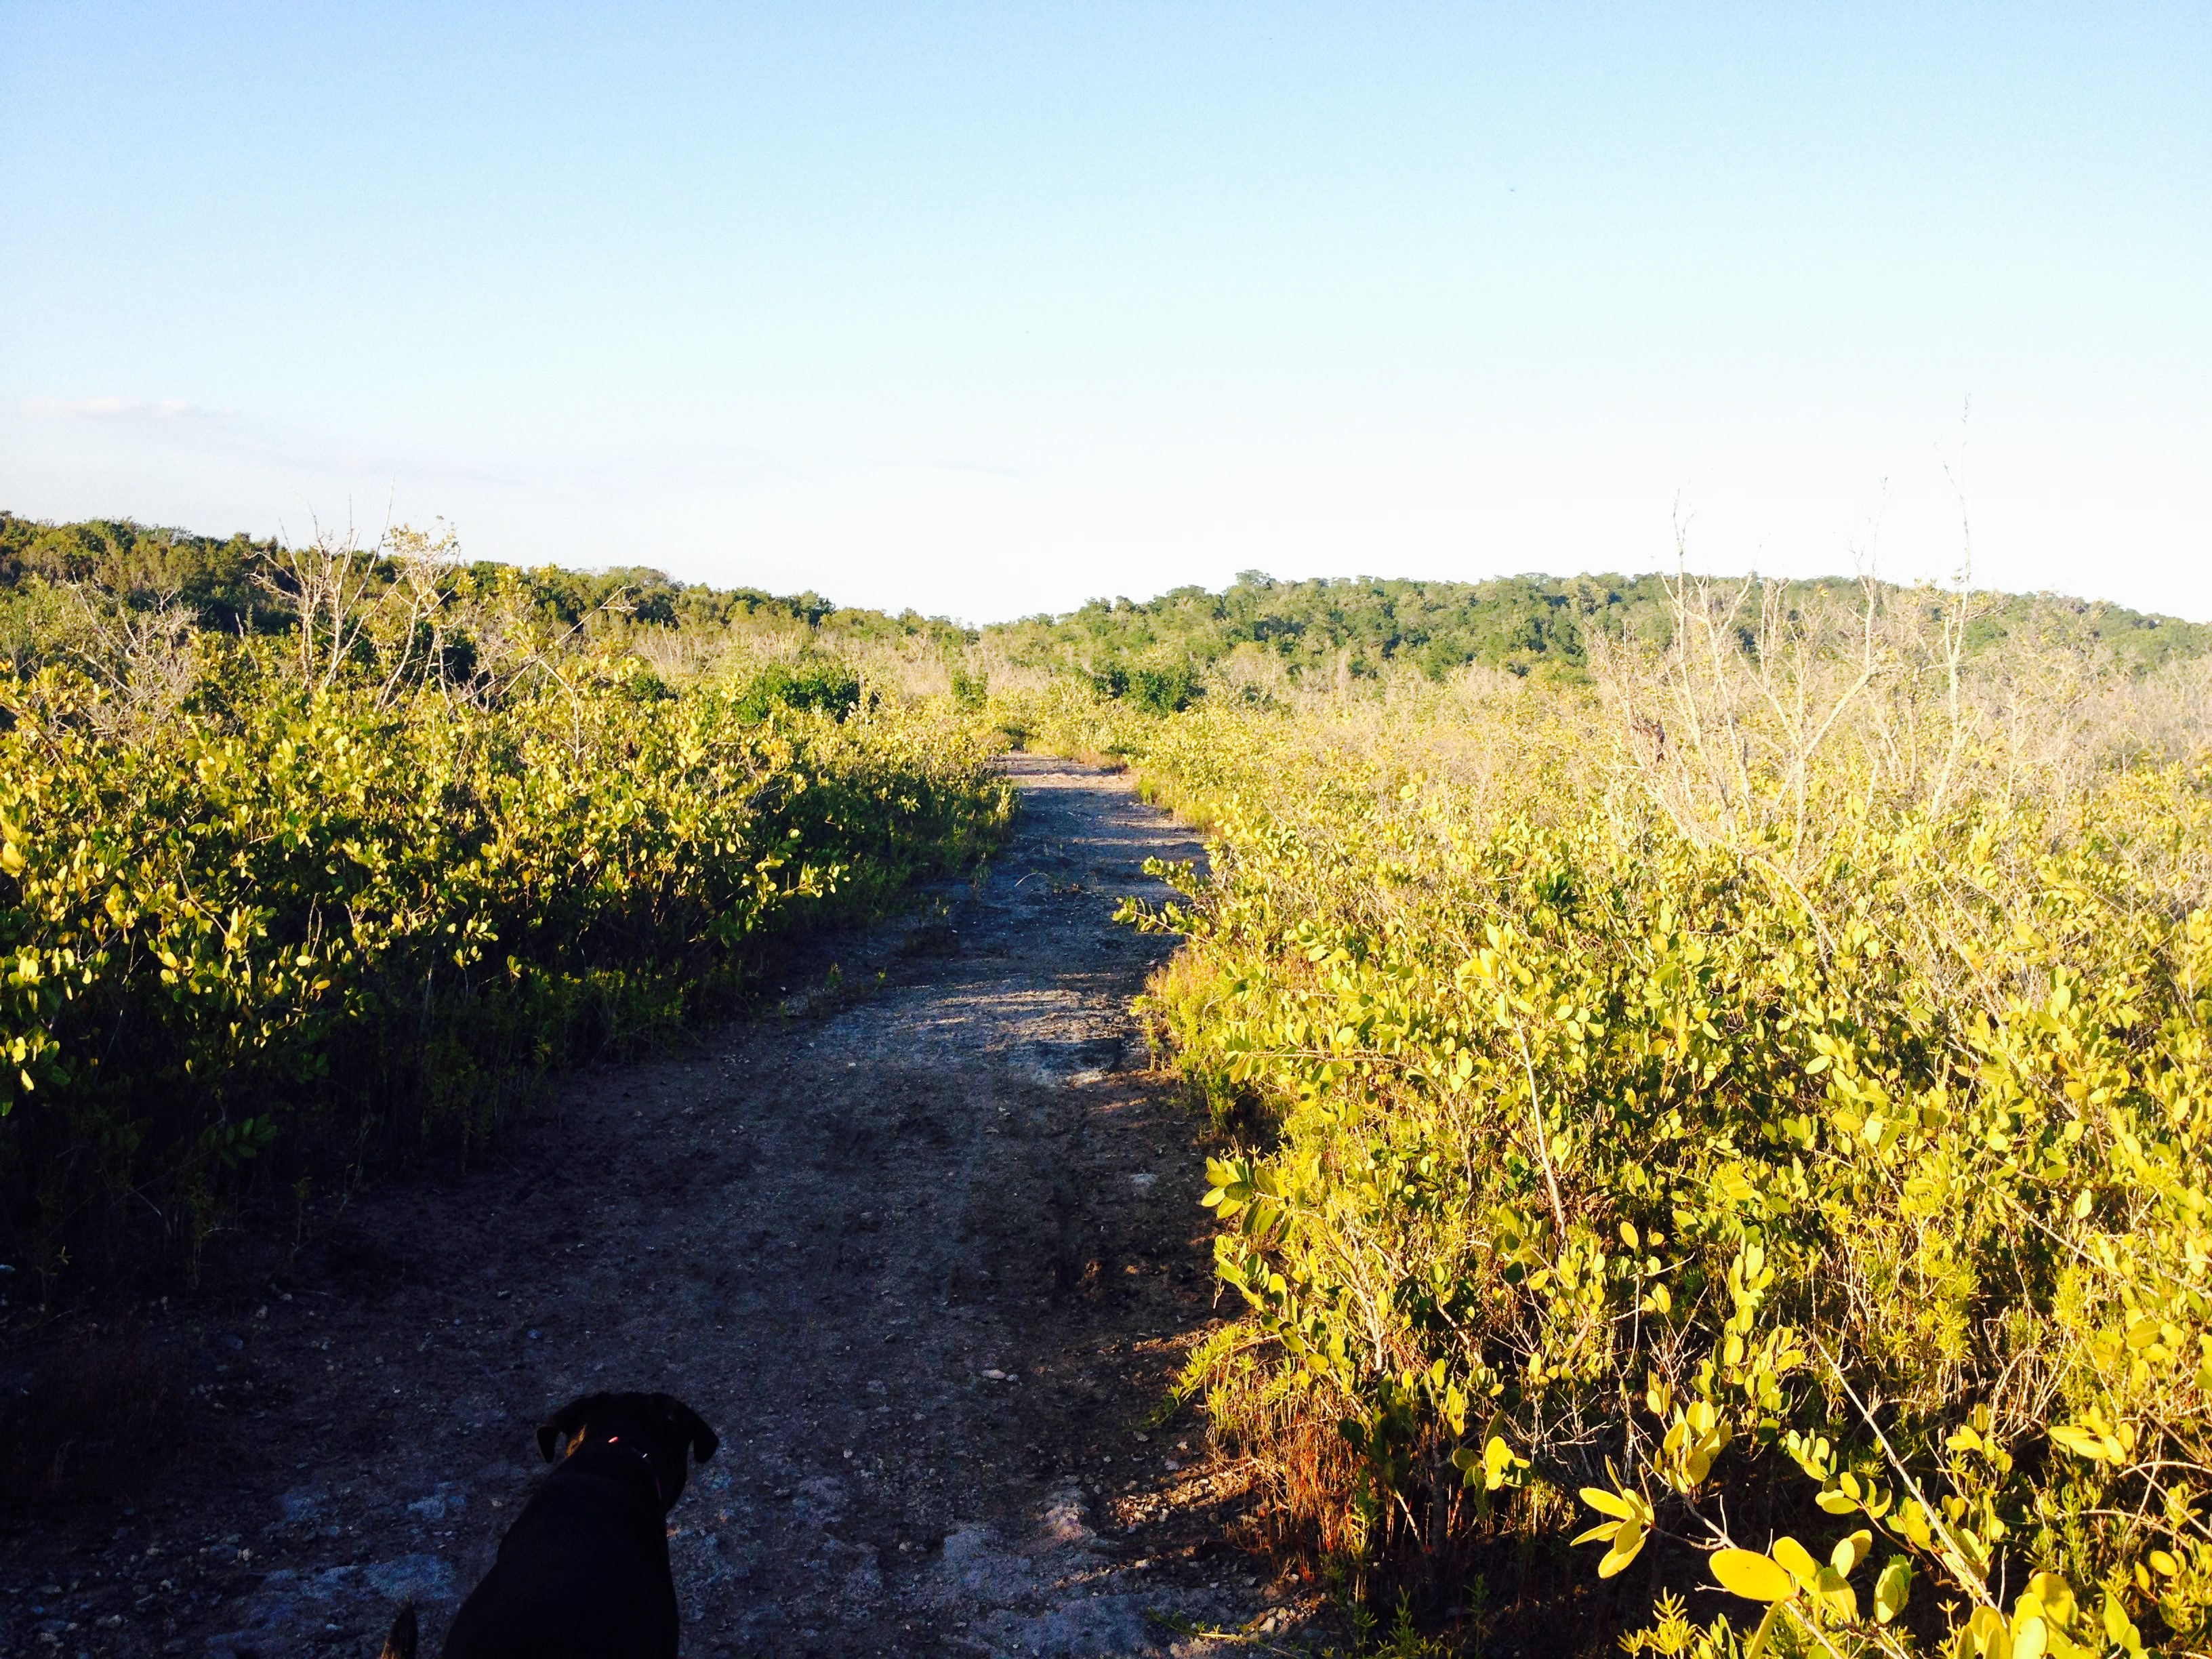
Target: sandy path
[(834, 1231)]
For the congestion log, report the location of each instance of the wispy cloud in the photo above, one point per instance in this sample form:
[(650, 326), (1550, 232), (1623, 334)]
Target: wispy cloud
[(119, 409)]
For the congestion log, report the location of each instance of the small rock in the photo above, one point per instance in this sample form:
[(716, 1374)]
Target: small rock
[(440, 1505)]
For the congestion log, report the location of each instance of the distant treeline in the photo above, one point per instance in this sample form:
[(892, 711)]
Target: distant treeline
[(1526, 625), (225, 581), (1156, 651)]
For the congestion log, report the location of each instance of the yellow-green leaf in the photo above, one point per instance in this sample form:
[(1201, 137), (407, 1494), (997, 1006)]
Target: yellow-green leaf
[(1628, 1542), (1797, 1559), (2085, 1442), (1985, 1637), (1751, 1575), (1758, 1647), (1837, 1596), (1891, 1588)]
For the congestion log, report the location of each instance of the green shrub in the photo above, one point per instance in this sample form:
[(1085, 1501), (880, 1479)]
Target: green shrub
[(1722, 1127), (830, 687), (1167, 689), (280, 926)]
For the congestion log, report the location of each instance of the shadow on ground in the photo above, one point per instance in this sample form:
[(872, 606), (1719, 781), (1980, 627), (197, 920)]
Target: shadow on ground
[(924, 1247)]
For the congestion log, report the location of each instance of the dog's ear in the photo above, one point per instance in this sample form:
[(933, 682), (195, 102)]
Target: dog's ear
[(704, 1441), (400, 1644), (563, 1425)]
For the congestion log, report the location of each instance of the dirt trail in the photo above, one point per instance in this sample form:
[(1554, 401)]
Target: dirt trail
[(923, 1247)]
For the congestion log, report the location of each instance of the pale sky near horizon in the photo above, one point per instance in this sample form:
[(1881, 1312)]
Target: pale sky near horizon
[(988, 309)]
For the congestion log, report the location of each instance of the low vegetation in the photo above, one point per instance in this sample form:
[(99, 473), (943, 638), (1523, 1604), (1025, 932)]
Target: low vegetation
[(1746, 1115), (344, 878), (1712, 1083)]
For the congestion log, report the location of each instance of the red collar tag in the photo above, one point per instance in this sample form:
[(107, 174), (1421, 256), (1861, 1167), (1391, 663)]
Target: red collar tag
[(640, 1451)]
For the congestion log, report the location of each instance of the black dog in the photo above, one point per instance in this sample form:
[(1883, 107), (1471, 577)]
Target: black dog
[(583, 1572)]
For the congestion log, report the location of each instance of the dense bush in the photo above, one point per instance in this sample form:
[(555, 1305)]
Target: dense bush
[(270, 905), (1787, 1136), (1168, 689), (829, 686)]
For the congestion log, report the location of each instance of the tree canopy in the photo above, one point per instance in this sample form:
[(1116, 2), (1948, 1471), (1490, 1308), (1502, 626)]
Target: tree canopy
[(1532, 624)]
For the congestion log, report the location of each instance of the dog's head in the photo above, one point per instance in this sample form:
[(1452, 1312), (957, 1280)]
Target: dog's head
[(661, 1425)]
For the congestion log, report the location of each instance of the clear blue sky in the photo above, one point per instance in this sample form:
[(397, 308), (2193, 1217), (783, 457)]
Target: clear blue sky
[(988, 309)]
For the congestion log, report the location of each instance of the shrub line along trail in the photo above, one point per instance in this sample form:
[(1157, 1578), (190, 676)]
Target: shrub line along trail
[(833, 1229)]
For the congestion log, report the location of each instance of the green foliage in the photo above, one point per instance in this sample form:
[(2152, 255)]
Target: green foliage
[(970, 691), (213, 577), (828, 686), (1165, 690), (274, 902), (1310, 625), (1748, 1111), (236, 583), (1357, 628)]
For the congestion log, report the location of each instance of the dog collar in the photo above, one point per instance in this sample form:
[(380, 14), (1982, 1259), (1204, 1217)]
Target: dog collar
[(651, 1468)]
